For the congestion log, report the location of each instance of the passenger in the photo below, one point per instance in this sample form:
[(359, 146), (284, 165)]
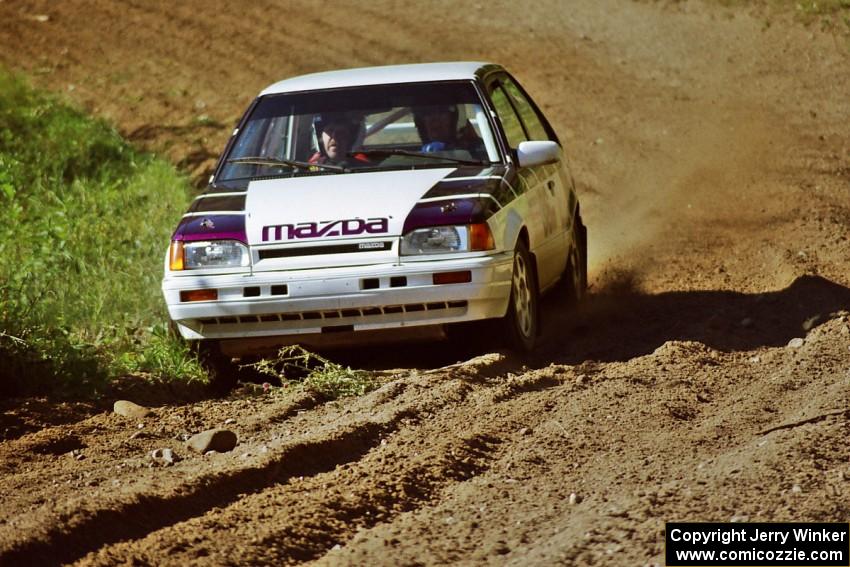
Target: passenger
[(336, 134), (437, 126), (438, 129)]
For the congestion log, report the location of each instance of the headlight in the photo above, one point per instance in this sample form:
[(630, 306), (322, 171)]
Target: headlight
[(447, 239), (208, 254)]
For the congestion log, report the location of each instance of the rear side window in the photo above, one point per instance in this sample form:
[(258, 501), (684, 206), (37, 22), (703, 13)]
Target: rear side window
[(508, 117), (533, 123)]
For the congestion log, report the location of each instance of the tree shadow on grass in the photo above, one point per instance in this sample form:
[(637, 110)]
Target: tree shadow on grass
[(56, 382)]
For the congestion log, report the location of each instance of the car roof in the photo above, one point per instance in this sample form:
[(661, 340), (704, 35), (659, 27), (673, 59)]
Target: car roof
[(389, 74)]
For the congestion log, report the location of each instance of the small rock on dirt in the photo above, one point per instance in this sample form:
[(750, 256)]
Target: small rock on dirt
[(164, 456), (126, 408), (574, 499), (811, 322), (219, 440), (796, 342)]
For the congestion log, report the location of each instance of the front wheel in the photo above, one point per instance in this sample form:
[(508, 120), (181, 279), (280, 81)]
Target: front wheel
[(222, 372), (575, 274), (523, 318)]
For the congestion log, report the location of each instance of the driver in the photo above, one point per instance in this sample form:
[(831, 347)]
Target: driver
[(335, 133)]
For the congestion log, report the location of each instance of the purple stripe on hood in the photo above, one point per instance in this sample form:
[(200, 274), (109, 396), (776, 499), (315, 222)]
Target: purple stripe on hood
[(491, 181), (467, 210), (212, 227)]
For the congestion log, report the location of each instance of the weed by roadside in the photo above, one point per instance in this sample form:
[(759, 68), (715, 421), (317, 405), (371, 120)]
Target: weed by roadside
[(162, 355), (297, 367), (830, 15)]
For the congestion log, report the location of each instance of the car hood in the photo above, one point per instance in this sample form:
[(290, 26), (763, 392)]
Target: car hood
[(343, 219), (333, 207)]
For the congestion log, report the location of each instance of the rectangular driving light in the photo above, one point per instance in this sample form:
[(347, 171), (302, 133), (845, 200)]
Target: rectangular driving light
[(199, 295), (452, 277), (175, 256)]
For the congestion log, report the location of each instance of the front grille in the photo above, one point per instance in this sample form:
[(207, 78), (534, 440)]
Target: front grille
[(348, 313), (293, 251)]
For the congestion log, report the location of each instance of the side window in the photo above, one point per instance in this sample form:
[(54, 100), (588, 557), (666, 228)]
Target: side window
[(532, 121), (507, 116), (276, 141)]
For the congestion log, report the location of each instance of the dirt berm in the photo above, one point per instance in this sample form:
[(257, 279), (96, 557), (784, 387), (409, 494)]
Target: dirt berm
[(711, 149)]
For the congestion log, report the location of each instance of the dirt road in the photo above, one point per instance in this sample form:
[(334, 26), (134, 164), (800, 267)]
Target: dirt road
[(712, 153)]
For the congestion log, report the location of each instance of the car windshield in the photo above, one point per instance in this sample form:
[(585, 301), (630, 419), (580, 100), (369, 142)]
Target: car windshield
[(365, 128)]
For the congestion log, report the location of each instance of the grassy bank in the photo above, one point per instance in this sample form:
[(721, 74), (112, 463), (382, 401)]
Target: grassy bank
[(831, 16), (84, 221)]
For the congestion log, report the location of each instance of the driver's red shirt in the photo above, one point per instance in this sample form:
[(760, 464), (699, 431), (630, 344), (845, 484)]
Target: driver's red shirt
[(319, 158)]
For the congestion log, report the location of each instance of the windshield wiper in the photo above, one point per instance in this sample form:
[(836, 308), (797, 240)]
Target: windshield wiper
[(398, 152), (289, 162)]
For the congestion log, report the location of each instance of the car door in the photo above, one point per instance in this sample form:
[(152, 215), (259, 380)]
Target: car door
[(543, 185)]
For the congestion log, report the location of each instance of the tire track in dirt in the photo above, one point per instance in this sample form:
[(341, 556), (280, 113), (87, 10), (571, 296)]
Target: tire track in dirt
[(304, 518), (23, 417), (640, 443), (97, 444), (85, 524), (98, 431), (90, 526)]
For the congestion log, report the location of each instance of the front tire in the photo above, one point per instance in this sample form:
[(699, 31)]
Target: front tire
[(575, 274), (523, 317), (223, 373)]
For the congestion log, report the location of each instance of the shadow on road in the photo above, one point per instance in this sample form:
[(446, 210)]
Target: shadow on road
[(620, 322), (616, 323)]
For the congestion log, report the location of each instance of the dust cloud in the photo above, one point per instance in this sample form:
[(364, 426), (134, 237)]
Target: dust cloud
[(701, 173)]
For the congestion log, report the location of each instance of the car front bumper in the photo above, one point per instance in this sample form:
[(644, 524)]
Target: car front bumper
[(298, 303)]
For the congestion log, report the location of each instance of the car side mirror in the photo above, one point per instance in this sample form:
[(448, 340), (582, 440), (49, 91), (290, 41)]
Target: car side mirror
[(537, 153)]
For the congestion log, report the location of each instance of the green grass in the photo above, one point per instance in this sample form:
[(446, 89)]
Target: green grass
[(84, 221), (819, 7), (830, 15)]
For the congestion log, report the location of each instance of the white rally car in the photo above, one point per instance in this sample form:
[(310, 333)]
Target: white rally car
[(381, 204)]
